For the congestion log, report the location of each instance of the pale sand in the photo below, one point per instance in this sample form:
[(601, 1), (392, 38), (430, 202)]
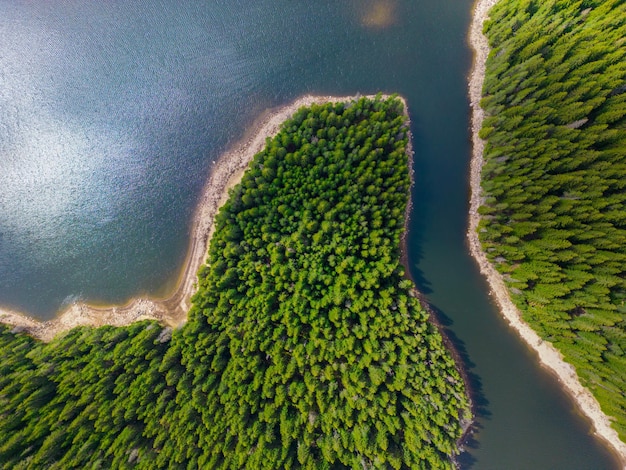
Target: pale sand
[(549, 356), (172, 311)]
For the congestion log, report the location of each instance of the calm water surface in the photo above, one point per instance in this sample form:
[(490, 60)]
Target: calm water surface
[(111, 114)]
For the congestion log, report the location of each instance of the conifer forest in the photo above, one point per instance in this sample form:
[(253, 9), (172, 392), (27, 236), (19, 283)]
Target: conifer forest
[(306, 346), (554, 178)]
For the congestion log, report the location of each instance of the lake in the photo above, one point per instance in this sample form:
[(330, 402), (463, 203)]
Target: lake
[(111, 114)]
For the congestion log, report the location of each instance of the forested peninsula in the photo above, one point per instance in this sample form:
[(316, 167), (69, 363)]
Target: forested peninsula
[(172, 310), (552, 205), (305, 345)]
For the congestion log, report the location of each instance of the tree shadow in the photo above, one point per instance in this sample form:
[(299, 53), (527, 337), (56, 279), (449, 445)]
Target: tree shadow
[(412, 253), (415, 216), (473, 382)]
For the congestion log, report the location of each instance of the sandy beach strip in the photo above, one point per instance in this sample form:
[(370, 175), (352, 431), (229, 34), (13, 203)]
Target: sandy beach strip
[(549, 356), (172, 311)]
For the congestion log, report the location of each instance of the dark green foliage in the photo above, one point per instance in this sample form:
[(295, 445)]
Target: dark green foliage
[(554, 219), (83, 398), (305, 346)]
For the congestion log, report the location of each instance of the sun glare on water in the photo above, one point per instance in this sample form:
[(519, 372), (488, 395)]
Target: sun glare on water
[(379, 14)]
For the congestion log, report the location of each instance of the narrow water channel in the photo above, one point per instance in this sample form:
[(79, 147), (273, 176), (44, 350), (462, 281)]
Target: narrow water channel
[(524, 418), (113, 111)]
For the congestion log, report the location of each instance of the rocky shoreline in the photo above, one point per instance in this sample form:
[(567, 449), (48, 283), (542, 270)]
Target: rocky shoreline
[(172, 310), (548, 355)]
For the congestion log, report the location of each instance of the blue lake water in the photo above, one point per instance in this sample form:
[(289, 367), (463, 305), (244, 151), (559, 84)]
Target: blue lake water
[(112, 112)]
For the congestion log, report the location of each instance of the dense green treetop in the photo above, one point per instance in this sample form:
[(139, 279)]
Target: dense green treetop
[(305, 346), (554, 216)]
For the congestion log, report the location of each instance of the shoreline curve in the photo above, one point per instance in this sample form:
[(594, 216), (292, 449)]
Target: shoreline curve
[(548, 356), (172, 309)]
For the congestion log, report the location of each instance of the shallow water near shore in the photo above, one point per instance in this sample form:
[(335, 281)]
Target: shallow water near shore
[(110, 117)]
